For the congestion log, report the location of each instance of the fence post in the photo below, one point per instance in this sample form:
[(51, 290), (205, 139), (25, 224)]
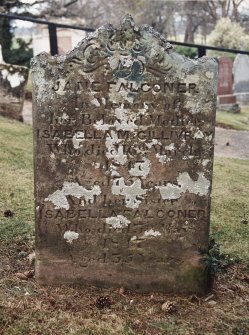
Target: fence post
[(201, 51), (53, 39)]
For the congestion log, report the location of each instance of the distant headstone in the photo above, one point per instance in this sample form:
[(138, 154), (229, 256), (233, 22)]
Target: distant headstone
[(226, 98), (124, 130), (1, 55), (241, 79), (13, 80)]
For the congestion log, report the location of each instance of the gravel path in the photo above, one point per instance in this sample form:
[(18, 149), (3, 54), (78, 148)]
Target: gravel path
[(27, 112), (231, 143), (228, 142)]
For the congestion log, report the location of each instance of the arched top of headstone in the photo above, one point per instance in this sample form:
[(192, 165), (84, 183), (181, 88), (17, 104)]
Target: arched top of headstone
[(107, 40), (241, 58), (241, 73), (225, 59), (129, 52)]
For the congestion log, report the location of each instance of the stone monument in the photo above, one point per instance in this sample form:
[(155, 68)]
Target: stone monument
[(226, 98), (123, 145), (13, 80), (1, 55), (241, 79)]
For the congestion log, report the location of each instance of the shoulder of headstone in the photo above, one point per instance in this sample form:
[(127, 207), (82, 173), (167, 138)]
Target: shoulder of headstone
[(15, 68)]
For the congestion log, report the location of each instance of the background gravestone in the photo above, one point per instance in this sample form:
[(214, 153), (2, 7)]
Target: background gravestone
[(241, 79), (13, 80), (226, 98), (1, 55), (123, 140)]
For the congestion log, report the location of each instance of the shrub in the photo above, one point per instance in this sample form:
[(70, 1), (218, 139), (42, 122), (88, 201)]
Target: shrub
[(186, 51), (228, 34), (22, 54)]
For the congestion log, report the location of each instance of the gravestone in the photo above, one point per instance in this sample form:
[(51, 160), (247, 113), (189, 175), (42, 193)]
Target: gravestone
[(13, 80), (241, 78), (1, 55), (226, 98), (123, 140)]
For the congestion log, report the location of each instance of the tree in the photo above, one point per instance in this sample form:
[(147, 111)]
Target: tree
[(224, 8), (203, 15), (196, 16), (228, 34), (5, 38), (23, 53), (158, 13)]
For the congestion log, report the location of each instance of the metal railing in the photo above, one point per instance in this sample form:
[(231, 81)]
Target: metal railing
[(202, 48), (52, 29)]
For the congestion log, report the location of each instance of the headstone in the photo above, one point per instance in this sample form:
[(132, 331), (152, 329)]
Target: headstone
[(1, 55), (124, 130), (13, 80), (241, 79), (226, 98)]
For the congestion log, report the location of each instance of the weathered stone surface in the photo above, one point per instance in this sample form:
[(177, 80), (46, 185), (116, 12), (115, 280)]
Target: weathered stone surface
[(241, 79), (13, 80), (123, 130), (226, 98)]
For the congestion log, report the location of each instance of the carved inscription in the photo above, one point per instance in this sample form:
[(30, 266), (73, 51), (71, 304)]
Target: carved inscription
[(61, 87)]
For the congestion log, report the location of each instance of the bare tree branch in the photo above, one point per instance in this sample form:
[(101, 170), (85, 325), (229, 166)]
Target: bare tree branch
[(70, 3)]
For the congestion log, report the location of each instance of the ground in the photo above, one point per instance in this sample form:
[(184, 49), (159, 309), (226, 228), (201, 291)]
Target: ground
[(239, 121), (231, 143), (28, 309)]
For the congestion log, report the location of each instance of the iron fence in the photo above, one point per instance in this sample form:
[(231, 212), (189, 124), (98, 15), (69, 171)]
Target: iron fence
[(52, 29)]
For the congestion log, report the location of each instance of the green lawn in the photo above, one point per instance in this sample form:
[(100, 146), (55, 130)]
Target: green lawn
[(229, 202), (239, 121), (230, 206), (16, 176)]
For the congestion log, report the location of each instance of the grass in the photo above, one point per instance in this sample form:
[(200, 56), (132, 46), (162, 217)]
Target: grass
[(239, 121), (27, 309), (230, 206), (16, 175)]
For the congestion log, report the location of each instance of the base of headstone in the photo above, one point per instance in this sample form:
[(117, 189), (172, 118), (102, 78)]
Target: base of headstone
[(191, 278), (232, 108), (226, 99), (243, 98), (11, 112), (13, 80)]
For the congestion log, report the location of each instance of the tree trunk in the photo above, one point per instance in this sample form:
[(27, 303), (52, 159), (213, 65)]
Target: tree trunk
[(189, 34), (5, 38)]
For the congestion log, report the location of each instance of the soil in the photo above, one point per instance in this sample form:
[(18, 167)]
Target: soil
[(28, 309)]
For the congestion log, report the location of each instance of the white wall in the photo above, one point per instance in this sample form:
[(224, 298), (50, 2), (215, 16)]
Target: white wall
[(67, 40)]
